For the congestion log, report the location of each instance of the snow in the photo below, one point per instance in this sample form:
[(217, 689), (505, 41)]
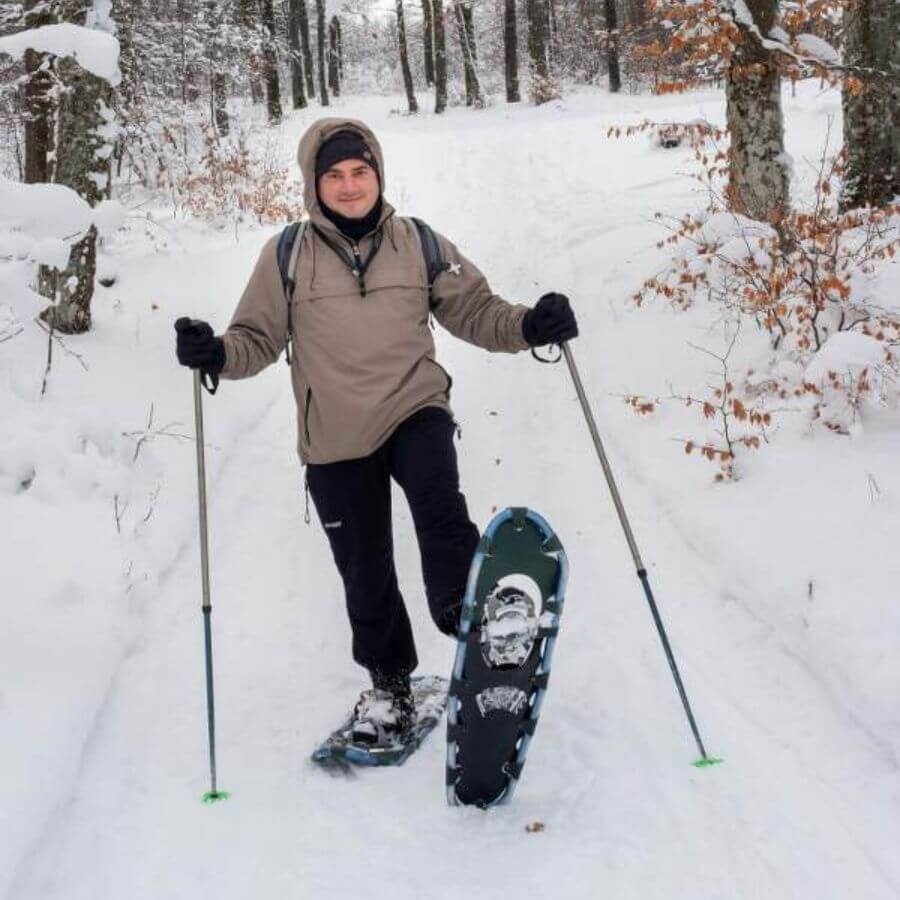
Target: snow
[(96, 51), (743, 15), (42, 221), (845, 350), (45, 210), (818, 48), (779, 591)]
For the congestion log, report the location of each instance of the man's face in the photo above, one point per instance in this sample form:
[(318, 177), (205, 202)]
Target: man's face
[(350, 188)]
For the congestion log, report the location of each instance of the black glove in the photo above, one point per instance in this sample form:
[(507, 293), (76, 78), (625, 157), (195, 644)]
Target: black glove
[(551, 321), (197, 347)]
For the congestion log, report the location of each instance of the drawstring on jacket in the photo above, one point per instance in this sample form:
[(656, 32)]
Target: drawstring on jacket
[(390, 224)]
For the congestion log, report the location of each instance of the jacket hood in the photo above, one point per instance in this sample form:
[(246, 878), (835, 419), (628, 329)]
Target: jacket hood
[(312, 140)]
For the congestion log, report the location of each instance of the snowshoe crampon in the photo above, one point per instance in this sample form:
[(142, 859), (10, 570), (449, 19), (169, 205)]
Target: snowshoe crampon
[(507, 632)]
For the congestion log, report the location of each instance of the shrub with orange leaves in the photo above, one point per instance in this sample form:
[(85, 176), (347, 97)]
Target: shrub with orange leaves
[(809, 282), (235, 183)]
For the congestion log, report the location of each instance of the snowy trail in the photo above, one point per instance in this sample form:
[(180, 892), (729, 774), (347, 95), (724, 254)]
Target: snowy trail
[(807, 799)]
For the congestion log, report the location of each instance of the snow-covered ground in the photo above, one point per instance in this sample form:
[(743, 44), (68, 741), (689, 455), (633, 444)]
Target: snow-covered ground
[(779, 590)]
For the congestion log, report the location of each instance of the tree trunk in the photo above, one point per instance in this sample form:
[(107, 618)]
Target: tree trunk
[(440, 57), (125, 13), (339, 47), (298, 93), (218, 86), (404, 60), (38, 100), (612, 50), (217, 80), (320, 40), (511, 52), (871, 106), (635, 13), (428, 35), (270, 60), (553, 48), (249, 11), (590, 47), (466, 29), (81, 112), (758, 185), (334, 81), (542, 87), (307, 48)]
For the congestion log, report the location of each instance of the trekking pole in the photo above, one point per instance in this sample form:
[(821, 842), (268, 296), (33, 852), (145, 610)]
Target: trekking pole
[(635, 553), (213, 794)]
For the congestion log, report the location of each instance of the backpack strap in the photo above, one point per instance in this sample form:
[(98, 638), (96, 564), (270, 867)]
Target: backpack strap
[(434, 259), (287, 252)]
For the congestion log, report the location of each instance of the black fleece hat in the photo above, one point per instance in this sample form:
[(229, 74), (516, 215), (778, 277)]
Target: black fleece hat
[(344, 145)]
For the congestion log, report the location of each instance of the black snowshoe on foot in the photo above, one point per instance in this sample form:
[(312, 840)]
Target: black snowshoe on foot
[(381, 719), (394, 741)]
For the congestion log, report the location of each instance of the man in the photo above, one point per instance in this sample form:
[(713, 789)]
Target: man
[(372, 401)]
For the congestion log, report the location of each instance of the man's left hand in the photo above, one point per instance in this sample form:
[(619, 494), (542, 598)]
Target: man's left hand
[(551, 321)]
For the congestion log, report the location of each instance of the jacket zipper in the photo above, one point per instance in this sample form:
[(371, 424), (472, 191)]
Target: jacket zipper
[(306, 415), (357, 271)]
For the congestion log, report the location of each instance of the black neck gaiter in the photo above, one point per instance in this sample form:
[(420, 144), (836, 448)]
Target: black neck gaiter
[(355, 229)]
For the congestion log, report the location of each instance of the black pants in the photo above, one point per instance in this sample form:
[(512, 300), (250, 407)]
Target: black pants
[(353, 500)]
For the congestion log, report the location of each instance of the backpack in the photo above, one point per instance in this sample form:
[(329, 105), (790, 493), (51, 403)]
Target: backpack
[(288, 251)]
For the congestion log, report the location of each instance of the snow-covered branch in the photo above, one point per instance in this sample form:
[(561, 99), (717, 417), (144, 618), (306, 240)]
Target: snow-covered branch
[(95, 51)]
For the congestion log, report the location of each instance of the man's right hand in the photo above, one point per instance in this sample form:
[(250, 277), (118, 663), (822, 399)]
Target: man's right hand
[(197, 347)]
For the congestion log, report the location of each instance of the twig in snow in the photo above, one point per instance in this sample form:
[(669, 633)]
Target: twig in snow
[(119, 513), (148, 434), (153, 498)]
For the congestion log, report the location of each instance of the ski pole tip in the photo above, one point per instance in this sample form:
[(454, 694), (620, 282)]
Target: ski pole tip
[(706, 762), (211, 797)]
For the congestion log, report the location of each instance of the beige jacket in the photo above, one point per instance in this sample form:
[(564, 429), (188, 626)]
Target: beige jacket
[(361, 364)]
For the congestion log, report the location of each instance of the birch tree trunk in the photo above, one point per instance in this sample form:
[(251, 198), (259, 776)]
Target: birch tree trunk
[(871, 113), (758, 185), (511, 52), (428, 37), (298, 92), (440, 57), (320, 40), (404, 59)]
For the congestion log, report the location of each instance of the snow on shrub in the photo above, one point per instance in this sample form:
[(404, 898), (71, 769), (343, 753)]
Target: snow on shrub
[(809, 282)]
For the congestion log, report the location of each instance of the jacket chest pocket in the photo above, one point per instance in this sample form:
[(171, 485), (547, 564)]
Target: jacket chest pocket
[(398, 291)]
